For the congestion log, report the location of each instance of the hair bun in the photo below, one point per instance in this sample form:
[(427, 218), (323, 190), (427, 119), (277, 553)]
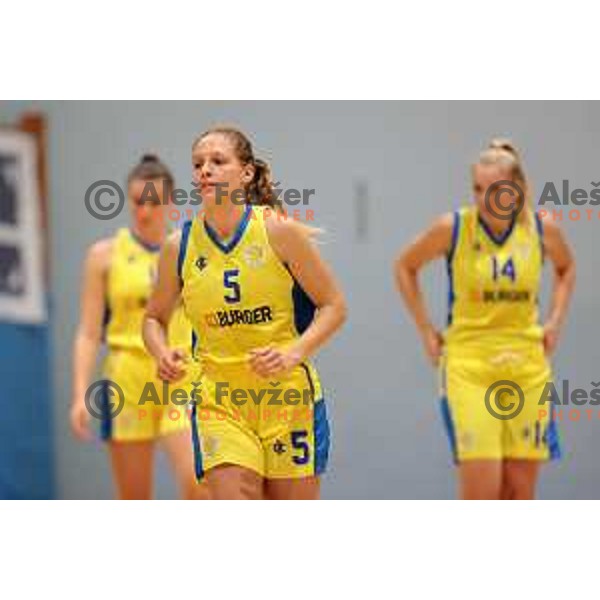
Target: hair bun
[(149, 158)]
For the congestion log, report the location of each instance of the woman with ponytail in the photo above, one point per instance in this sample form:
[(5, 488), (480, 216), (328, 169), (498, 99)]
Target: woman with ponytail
[(494, 357), (118, 277), (261, 301)]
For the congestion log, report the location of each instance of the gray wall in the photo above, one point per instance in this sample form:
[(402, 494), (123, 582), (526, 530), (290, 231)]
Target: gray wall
[(414, 157)]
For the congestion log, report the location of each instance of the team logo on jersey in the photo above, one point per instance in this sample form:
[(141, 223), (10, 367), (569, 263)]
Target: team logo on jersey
[(279, 447), (255, 255), (235, 316), (500, 295), (131, 259), (477, 246), (201, 263)]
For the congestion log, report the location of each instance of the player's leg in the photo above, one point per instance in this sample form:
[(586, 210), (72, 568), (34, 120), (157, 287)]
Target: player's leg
[(132, 463), (475, 443), (475, 435), (128, 431), (176, 441), (232, 482), (130, 442), (296, 440), (480, 479), (227, 449), (532, 435), (306, 488), (178, 448), (519, 479)]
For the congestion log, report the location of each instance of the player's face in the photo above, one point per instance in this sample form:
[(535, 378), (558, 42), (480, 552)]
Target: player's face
[(491, 195), (147, 202), (217, 170)]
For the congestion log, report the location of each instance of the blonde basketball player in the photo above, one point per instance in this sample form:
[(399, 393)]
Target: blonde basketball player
[(118, 277), (261, 302), (494, 344)]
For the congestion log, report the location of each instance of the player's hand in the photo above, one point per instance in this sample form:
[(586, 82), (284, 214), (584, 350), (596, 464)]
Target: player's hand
[(551, 335), (171, 365), (79, 418), (433, 342), (269, 361)]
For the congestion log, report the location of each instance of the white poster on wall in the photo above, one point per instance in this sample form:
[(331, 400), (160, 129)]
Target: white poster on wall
[(21, 277)]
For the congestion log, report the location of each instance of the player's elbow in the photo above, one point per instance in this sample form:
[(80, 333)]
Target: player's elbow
[(567, 272), (404, 271), (340, 307), (571, 274)]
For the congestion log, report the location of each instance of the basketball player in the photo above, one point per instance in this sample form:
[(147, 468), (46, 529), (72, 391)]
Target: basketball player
[(495, 253), (118, 276), (261, 302)]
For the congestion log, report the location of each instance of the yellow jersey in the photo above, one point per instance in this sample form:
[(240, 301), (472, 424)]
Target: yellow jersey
[(494, 282), (238, 295), (132, 273)]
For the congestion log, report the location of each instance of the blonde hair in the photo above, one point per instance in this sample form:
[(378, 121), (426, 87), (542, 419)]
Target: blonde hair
[(502, 152)]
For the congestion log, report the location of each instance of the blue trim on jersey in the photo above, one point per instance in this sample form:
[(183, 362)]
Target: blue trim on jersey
[(145, 245), (450, 258), (321, 436), (106, 420), (304, 308), (183, 244), (501, 239), (194, 342), (449, 425), (227, 247), (455, 232), (321, 431), (540, 230), (106, 319), (198, 466), (553, 437)]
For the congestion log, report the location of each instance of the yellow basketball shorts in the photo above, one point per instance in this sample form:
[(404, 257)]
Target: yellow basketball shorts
[(491, 404), (278, 429), (135, 405)]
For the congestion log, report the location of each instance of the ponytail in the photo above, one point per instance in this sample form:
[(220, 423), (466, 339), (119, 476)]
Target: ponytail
[(260, 190)]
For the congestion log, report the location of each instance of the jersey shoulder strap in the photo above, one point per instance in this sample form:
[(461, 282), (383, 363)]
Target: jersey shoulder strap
[(183, 244)]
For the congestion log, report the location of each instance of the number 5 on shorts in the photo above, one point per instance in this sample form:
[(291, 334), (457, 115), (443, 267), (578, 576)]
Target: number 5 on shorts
[(299, 443)]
